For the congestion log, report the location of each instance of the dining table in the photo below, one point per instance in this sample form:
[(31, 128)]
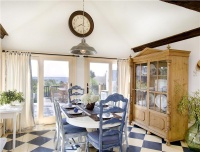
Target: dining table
[(84, 118)]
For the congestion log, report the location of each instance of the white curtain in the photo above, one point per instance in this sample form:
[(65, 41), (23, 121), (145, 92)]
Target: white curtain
[(17, 69), (123, 77)]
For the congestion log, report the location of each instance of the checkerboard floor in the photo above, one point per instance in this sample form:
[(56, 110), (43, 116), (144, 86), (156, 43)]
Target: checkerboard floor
[(139, 141)]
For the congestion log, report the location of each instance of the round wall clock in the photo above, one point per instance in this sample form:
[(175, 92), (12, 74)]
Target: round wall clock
[(76, 24)]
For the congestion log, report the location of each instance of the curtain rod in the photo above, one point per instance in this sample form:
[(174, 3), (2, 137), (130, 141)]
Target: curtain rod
[(71, 55), (49, 54), (99, 57)]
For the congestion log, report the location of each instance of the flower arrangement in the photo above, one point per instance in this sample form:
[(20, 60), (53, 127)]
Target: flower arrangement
[(9, 96), (88, 98)]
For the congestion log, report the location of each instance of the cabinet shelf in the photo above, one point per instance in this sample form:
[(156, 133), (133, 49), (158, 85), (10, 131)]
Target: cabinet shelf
[(155, 107)]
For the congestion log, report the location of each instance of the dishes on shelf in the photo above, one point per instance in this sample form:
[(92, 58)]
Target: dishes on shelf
[(152, 69), (163, 70), (142, 102), (161, 85), (151, 100), (144, 70), (161, 101)]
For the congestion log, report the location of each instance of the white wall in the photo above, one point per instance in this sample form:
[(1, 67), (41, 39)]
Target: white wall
[(192, 45)]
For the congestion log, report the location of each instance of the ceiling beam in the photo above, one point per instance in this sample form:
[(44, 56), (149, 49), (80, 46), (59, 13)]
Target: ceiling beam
[(193, 5), (3, 32), (175, 38)]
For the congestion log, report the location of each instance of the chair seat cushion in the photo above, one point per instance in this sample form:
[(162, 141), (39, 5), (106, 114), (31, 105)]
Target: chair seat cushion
[(64, 121), (73, 129), (106, 140)]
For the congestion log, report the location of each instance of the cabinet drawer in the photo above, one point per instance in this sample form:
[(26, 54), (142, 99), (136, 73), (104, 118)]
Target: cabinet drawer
[(157, 122)]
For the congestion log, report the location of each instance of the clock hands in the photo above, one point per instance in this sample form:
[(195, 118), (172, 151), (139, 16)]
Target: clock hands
[(79, 25)]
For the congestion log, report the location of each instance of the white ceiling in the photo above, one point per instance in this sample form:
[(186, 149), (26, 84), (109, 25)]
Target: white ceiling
[(42, 26)]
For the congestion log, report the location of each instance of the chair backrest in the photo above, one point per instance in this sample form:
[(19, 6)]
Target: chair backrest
[(115, 121), (59, 117), (74, 93), (53, 93)]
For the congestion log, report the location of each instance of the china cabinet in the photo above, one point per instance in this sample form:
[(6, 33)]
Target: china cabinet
[(159, 78)]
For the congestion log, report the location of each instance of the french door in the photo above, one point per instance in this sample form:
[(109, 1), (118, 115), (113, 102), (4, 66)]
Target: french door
[(101, 76), (49, 72)]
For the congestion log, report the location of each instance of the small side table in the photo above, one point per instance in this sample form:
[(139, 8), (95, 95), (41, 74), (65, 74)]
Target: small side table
[(2, 143), (11, 112)]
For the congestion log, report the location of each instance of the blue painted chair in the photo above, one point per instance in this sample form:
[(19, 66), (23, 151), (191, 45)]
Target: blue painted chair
[(74, 93), (65, 132), (64, 122), (110, 131)]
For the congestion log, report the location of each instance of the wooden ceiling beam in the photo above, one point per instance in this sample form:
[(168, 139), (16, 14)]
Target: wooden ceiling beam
[(3, 32), (193, 5), (175, 38)]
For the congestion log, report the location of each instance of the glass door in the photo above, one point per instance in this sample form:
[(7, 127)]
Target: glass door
[(158, 86), (50, 73), (102, 76), (141, 84)]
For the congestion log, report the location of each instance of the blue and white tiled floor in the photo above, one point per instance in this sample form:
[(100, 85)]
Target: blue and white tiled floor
[(139, 141)]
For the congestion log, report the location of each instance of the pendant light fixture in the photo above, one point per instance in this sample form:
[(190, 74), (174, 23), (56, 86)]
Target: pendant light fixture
[(83, 48)]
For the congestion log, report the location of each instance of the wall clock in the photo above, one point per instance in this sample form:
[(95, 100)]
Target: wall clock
[(76, 23)]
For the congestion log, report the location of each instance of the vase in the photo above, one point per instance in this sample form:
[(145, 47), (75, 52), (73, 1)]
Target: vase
[(193, 136), (90, 106)]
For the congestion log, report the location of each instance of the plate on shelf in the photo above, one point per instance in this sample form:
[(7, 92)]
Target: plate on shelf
[(151, 100), (163, 102), (71, 112), (152, 69), (104, 116)]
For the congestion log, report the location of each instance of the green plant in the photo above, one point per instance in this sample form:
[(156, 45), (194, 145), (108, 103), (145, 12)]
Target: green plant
[(190, 104), (7, 97)]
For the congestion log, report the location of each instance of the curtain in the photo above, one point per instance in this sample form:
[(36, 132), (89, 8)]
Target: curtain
[(17, 69), (123, 77)]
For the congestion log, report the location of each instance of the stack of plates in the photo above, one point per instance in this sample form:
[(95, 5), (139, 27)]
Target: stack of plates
[(161, 102)]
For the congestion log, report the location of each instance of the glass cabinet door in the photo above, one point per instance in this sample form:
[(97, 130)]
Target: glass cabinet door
[(141, 84), (158, 86)]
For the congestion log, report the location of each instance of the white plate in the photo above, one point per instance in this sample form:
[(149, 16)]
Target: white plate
[(151, 100), (163, 102), (71, 112), (66, 106), (111, 115)]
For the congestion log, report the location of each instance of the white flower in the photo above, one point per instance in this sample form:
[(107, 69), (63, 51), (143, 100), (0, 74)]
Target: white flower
[(87, 98)]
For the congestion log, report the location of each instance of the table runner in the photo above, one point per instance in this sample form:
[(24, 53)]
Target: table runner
[(91, 113)]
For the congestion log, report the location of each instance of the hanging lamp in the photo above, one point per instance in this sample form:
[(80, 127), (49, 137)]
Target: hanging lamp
[(83, 48)]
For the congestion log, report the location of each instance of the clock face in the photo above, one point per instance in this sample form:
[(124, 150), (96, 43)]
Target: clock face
[(78, 27)]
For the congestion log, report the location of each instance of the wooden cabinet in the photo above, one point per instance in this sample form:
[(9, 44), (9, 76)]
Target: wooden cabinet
[(159, 78)]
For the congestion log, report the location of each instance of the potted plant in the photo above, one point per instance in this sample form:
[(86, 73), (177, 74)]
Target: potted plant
[(7, 97), (89, 100), (190, 105)]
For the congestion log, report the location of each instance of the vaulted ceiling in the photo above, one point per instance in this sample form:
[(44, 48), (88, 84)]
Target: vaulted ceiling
[(42, 26)]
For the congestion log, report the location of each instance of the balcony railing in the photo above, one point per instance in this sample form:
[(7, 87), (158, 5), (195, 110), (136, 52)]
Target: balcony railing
[(47, 91)]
